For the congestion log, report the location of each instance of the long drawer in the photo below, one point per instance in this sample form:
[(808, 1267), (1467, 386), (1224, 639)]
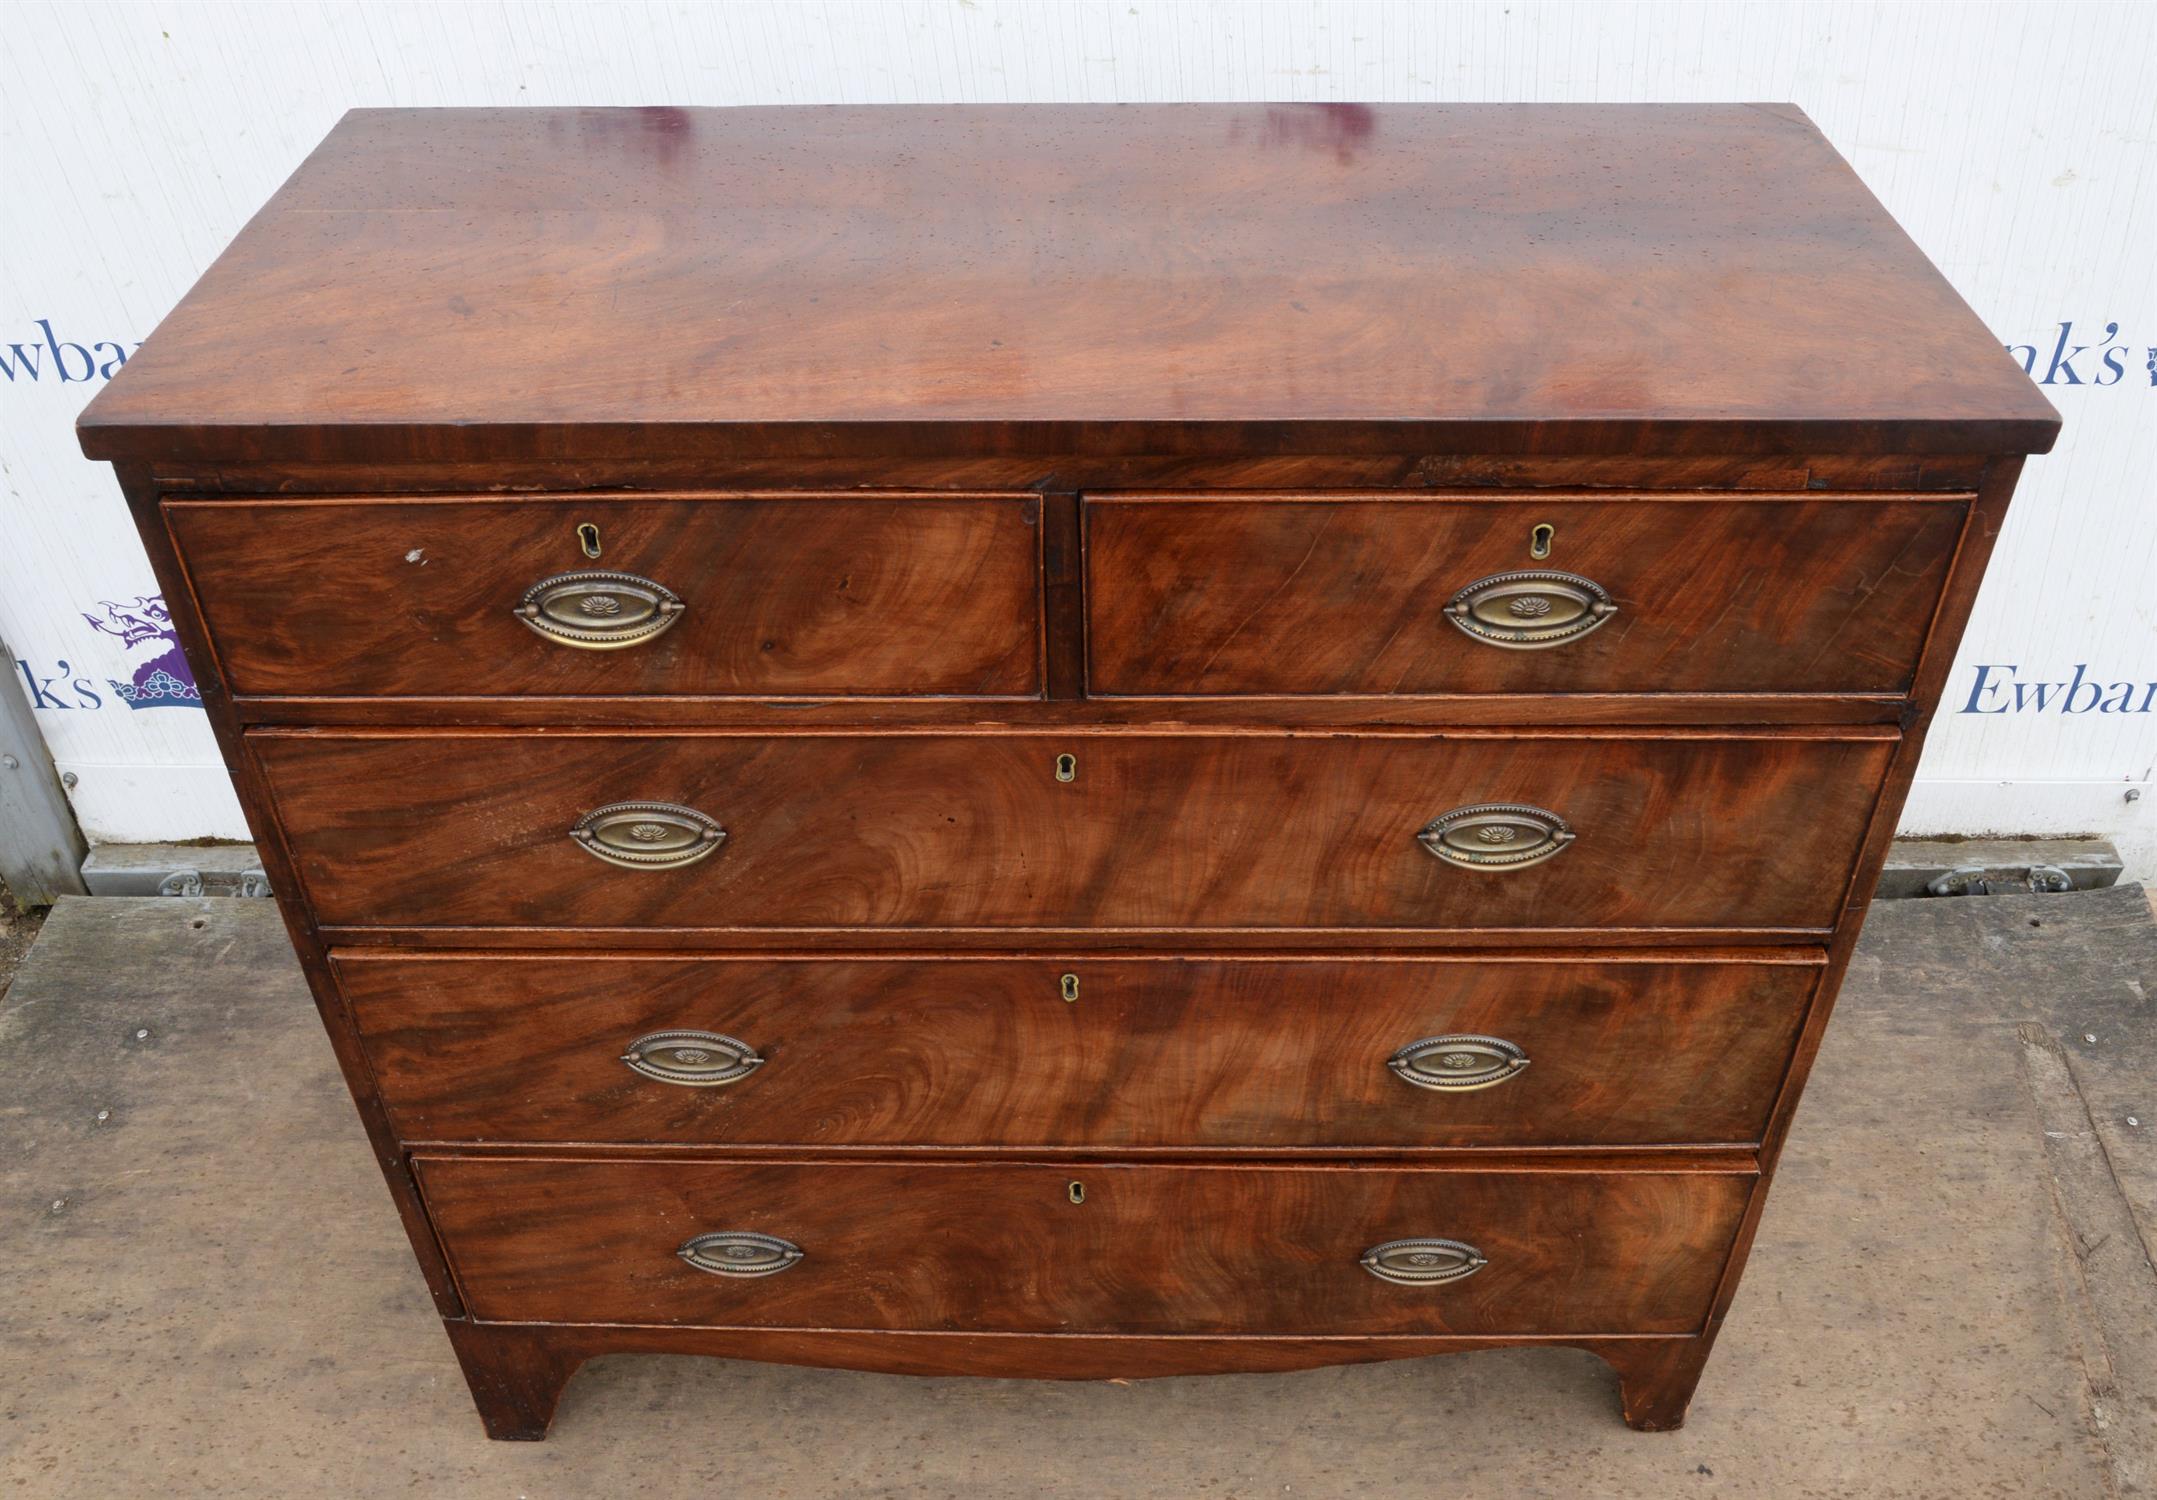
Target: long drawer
[(1104, 831), (717, 595), (1098, 1249), (1345, 594), (1079, 1052)]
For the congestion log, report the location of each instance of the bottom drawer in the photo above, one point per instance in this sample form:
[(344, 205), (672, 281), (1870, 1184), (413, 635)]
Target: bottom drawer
[(1002, 1247)]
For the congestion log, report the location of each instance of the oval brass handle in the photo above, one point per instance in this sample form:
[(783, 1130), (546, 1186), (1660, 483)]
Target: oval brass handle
[(597, 611), (647, 835), (695, 1059), (1457, 1064), (1530, 611), (737, 1252), (1496, 836), (1423, 1262)]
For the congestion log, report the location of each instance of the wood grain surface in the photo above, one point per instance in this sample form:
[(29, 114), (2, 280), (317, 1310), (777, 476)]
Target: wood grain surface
[(923, 831), (1154, 1053), (1347, 594), (1232, 1249), (1402, 278), (784, 594)]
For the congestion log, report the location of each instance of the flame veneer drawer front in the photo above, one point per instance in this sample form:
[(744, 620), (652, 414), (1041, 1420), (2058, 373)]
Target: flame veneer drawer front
[(976, 1246), (722, 596), (1333, 594), (1079, 1051), (1258, 830)]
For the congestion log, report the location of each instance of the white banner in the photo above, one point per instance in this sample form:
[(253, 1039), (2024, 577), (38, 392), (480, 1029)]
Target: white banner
[(2013, 142)]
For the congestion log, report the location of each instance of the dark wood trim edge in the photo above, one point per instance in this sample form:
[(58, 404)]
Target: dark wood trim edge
[(517, 1371)]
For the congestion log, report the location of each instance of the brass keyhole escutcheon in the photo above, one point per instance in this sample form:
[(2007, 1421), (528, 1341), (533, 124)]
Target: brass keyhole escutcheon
[(588, 538), (1067, 768), (1540, 538), (1070, 988), (1076, 1192)]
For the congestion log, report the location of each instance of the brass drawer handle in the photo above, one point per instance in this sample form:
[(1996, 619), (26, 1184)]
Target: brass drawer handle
[(1496, 836), (1423, 1262), (1530, 611), (1457, 1064), (647, 835), (737, 1252), (598, 611), (694, 1059)]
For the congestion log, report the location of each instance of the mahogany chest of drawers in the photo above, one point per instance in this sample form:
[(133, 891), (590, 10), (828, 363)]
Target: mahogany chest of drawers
[(1072, 741)]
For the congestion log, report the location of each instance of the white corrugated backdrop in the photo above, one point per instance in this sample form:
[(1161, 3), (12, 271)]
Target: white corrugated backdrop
[(2016, 143)]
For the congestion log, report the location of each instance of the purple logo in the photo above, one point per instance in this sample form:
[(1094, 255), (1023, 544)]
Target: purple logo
[(162, 679)]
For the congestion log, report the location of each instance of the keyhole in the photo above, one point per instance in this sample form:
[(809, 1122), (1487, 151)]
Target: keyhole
[(588, 538), (1540, 538), (1070, 988), (1076, 1192), (1067, 768)]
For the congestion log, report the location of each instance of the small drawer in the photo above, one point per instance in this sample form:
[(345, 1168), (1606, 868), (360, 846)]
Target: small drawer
[(1079, 1052), (594, 596), (1293, 595), (1100, 832), (1084, 1248)]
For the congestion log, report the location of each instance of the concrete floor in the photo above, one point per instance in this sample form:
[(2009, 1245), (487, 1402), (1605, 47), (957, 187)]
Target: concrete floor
[(205, 1290), (18, 930)]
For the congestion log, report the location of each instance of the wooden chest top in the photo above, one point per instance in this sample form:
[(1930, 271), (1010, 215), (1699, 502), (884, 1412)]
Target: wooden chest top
[(489, 284)]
